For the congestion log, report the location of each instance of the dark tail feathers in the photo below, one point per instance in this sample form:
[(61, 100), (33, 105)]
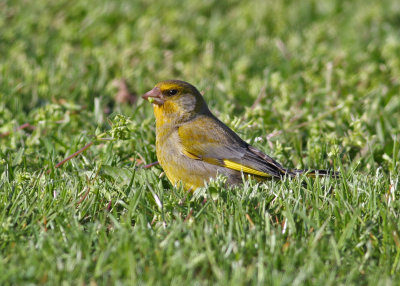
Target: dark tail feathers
[(317, 173)]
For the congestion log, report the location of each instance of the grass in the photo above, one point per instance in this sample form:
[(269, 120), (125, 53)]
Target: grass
[(312, 83)]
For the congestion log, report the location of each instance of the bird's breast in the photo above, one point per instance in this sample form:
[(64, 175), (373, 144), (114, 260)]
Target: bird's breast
[(177, 166)]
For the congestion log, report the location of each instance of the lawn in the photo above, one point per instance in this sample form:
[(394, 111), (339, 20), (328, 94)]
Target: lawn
[(314, 84)]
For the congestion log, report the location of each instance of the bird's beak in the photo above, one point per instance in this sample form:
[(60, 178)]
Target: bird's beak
[(154, 96)]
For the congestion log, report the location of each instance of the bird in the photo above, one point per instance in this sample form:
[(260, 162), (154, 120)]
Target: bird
[(194, 146)]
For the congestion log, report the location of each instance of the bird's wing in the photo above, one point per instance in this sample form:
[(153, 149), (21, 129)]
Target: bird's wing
[(206, 138)]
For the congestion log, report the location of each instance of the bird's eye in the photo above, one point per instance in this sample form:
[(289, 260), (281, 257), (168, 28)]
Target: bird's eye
[(172, 92)]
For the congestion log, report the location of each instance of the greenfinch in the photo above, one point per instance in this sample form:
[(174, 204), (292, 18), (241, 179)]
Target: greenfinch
[(193, 146)]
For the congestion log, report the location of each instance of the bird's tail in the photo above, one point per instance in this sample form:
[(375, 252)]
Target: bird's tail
[(317, 173)]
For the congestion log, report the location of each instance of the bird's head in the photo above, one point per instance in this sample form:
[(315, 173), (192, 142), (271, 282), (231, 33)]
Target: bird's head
[(176, 100)]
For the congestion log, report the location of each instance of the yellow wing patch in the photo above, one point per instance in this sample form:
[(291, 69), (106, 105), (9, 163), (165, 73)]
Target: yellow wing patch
[(241, 168), (228, 164)]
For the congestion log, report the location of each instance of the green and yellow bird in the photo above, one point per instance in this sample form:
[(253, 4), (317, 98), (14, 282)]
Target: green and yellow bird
[(193, 146)]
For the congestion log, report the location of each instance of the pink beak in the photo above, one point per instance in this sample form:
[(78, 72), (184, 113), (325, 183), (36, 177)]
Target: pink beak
[(154, 96)]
